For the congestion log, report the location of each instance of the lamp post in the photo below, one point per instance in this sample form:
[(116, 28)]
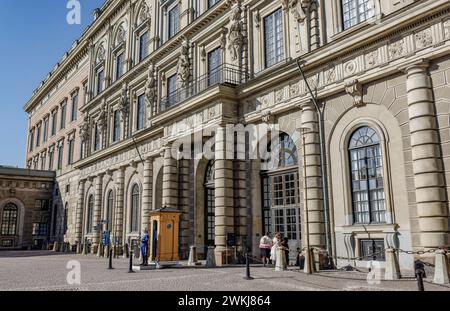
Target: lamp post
[(308, 266)]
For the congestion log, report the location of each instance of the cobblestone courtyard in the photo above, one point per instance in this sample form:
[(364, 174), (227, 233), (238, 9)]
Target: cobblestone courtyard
[(44, 271)]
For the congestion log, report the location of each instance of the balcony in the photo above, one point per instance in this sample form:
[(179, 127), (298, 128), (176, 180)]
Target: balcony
[(223, 75)]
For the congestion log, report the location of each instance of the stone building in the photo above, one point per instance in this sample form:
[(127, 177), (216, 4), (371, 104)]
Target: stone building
[(25, 213), (200, 106)]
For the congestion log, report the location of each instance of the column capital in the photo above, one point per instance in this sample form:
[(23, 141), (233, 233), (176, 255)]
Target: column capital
[(418, 65)]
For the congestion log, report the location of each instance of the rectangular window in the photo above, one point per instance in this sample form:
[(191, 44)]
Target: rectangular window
[(41, 205), (63, 116), (43, 160), (96, 138), (140, 122), (266, 204), (74, 111), (273, 38), (45, 134), (54, 121), (372, 250), (71, 149), (60, 157), (119, 65), (171, 90), (40, 229), (143, 46), (116, 122), (31, 140), (214, 64), (100, 77), (51, 156), (356, 11), (174, 21), (212, 3), (38, 136)]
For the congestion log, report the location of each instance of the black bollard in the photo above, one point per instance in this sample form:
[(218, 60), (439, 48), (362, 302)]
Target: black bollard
[(130, 269), (420, 274), (247, 272), (110, 260)]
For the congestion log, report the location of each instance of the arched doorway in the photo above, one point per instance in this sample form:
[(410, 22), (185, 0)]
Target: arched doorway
[(280, 191), (209, 210)]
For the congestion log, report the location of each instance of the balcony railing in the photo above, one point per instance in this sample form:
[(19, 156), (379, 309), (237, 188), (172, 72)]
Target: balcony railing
[(225, 74)]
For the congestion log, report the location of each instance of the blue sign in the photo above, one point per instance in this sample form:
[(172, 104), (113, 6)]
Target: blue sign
[(106, 239)]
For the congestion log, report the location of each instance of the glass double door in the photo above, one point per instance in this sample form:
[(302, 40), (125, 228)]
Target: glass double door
[(286, 221)]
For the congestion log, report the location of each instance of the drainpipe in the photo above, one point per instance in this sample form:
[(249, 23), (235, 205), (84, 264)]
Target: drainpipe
[(323, 166)]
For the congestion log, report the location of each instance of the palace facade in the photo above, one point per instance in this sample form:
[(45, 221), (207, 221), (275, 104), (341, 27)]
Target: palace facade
[(160, 103)]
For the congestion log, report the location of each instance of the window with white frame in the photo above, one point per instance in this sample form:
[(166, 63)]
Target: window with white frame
[(356, 11), (99, 81), (60, 156), (97, 138), (214, 64), (38, 135), (171, 90), (10, 217), (74, 110), (116, 126), (174, 21), (71, 151), (51, 158), (273, 38), (54, 121), (63, 116), (140, 113), (45, 133), (119, 65), (135, 209), (367, 182), (143, 46)]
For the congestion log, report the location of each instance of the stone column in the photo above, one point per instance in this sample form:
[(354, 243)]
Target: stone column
[(427, 161), (313, 180), (120, 182), (147, 191), (170, 180), (314, 26), (224, 196), (97, 211), (79, 215)]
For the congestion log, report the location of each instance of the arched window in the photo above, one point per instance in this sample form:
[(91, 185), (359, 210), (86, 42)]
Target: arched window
[(90, 215), (110, 209), (282, 152), (210, 205), (280, 188), (10, 217), (135, 208), (366, 164)]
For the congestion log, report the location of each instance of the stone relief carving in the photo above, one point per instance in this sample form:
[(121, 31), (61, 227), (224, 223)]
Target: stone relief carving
[(101, 53), (372, 59), (84, 129), (424, 38), (257, 19), (203, 54), (279, 95), (350, 67), (298, 8), (184, 65), (144, 14), (354, 89), (223, 38), (150, 87), (447, 29), (331, 75), (235, 36), (397, 49), (121, 36), (124, 102), (101, 119)]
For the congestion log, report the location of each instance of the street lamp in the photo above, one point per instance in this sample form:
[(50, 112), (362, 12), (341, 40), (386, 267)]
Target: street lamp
[(308, 265)]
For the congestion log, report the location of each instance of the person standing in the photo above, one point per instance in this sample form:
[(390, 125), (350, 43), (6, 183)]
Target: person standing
[(275, 244), (285, 246), (144, 248), (265, 244)]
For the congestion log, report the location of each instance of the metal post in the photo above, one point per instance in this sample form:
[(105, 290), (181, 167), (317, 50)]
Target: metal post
[(247, 270), (130, 269), (308, 260), (420, 274), (110, 260)]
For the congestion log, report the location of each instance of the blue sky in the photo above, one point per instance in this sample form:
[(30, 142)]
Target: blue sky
[(34, 36)]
